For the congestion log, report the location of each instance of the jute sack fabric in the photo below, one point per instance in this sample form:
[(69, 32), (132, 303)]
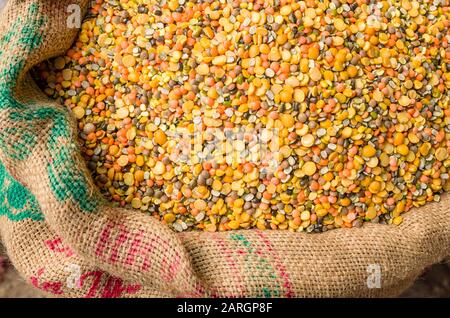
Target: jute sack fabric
[(66, 240)]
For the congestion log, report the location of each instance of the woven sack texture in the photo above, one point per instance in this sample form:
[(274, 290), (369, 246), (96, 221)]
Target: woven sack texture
[(66, 240)]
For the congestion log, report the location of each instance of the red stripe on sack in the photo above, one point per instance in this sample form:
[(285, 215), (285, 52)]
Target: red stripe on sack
[(47, 286), (280, 267), (135, 248), (120, 239), (230, 260), (58, 246), (103, 242)]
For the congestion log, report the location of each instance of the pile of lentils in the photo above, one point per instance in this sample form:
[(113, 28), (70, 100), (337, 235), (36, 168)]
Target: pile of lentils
[(358, 91)]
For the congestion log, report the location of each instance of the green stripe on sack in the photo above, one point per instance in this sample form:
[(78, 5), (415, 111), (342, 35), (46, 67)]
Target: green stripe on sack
[(257, 261), (67, 180), (16, 201), (23, 36)]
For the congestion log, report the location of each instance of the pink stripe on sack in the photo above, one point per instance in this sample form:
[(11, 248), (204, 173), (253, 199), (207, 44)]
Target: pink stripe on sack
[(279, 265), (120, 239), (97, 276), (147, 250), (104, 239), (47, 286), (170, 270), (230, 261), (58, 246), (135, 248), (113, 287)]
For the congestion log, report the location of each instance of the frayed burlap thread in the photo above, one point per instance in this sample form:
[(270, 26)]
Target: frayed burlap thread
[(66, 240)]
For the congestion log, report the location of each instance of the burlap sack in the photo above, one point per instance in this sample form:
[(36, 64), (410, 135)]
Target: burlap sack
[(64, 239)]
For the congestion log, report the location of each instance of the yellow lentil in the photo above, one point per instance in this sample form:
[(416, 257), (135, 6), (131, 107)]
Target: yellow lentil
[(309, 168), (403, 149), (368, 151), (169, 217), (128, 61)]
